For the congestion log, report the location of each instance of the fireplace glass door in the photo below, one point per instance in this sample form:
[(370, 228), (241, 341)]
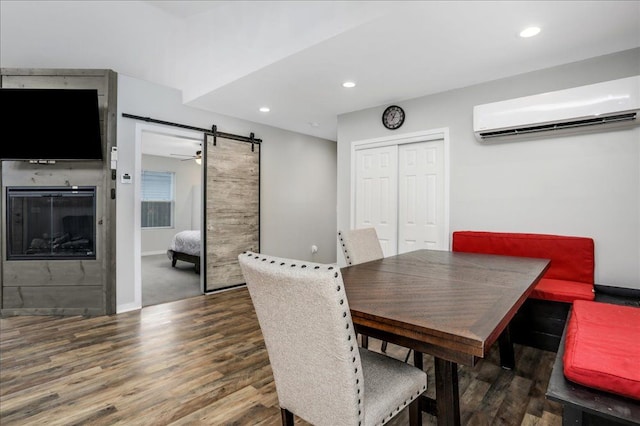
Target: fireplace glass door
[(51, 223)]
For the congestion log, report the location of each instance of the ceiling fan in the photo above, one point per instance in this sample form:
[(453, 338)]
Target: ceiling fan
[(197, 157)]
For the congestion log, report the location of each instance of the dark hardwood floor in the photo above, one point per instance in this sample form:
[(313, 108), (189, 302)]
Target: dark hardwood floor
[(203, 361)]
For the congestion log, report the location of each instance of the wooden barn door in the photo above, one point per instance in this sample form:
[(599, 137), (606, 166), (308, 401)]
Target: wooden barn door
[(232, 208)]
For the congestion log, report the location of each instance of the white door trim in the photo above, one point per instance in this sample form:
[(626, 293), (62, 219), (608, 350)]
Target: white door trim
[(401, 139)]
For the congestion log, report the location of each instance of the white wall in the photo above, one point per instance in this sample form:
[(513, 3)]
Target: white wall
[(584, 185), (187, 176), (298, 181)]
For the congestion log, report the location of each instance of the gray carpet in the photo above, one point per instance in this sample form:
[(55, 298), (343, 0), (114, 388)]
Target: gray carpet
[(162, 283)]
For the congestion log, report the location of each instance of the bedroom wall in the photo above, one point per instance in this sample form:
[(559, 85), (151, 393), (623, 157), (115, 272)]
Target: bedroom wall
[(585, 185), (187, 195), (298, 181)]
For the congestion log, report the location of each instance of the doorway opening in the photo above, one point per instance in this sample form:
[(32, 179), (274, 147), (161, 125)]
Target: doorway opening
[(169, 197)]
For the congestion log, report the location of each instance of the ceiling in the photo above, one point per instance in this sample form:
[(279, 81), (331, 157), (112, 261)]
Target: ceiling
[(405, 50), (233, 57)]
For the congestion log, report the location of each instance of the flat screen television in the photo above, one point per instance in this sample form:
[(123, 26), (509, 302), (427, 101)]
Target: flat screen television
[(49, 124)]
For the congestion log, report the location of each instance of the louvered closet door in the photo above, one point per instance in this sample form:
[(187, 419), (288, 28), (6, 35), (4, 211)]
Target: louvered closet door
[(232, 209)]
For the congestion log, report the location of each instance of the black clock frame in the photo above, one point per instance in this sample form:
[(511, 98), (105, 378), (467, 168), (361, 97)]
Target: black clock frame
[(386, 113)]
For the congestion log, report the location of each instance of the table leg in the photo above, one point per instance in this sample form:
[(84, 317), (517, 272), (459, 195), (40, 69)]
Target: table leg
[(507, 357), (415, 413), (417, 360), (447, 397)]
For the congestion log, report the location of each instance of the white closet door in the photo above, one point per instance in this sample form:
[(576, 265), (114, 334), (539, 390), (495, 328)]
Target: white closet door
[(377, 194), (421, 220)]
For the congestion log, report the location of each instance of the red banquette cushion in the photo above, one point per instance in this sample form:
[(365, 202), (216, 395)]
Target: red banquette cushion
[(602, 347), (571, 271)]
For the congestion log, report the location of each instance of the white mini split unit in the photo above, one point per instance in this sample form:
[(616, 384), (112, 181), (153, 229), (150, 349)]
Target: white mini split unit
[(594, 107)]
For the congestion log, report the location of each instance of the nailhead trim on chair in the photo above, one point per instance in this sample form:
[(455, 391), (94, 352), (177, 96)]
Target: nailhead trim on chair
[(344, 249), (347, 258), (344, 315)]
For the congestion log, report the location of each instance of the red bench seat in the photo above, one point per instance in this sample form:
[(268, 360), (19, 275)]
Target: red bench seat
[(562, 290), (571, 272), (602, 348)]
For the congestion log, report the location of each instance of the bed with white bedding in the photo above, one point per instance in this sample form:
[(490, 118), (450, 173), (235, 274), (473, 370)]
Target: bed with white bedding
[(185, 246)]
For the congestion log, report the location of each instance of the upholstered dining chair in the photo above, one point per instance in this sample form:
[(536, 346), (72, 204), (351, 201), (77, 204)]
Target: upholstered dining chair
[(360, 246), (320, 373)]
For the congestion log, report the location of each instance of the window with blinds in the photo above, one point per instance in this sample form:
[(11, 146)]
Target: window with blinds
[(157, 199)]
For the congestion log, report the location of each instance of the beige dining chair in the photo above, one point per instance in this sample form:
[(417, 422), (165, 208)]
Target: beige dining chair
[(320, 373), (360, 246)]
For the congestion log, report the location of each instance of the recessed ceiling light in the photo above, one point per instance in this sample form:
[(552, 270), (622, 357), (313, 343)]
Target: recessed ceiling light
[(348, 84), (314, 124), (529, 32), (265, 109)]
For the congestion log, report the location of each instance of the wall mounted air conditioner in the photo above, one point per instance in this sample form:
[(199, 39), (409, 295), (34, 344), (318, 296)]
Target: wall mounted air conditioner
[(597, 106)]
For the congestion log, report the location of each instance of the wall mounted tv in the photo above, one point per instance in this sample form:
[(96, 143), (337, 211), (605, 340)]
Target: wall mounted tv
[(49, 124)]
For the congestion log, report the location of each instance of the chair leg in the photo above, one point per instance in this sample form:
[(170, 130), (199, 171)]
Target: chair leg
[(406, 359), (365, 341), (415, 414), (287, 417), (383, 348)]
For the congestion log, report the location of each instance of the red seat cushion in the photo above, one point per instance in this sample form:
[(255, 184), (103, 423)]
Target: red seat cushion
[(602, 348), (562, 291)]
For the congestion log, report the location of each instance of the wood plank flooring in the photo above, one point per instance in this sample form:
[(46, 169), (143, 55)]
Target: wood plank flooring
[(203, 361)]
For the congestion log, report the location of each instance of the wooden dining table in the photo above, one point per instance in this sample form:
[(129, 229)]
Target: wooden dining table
[(451, 305)]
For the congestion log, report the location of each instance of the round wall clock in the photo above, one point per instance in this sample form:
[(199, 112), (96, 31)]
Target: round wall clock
[(393, 117)]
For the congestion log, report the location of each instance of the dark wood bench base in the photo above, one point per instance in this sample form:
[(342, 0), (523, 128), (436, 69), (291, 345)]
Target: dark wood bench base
[(586, 406), (539, 324)]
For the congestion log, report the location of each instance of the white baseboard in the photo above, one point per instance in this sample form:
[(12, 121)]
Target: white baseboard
[(128, 307), (153, 253)]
